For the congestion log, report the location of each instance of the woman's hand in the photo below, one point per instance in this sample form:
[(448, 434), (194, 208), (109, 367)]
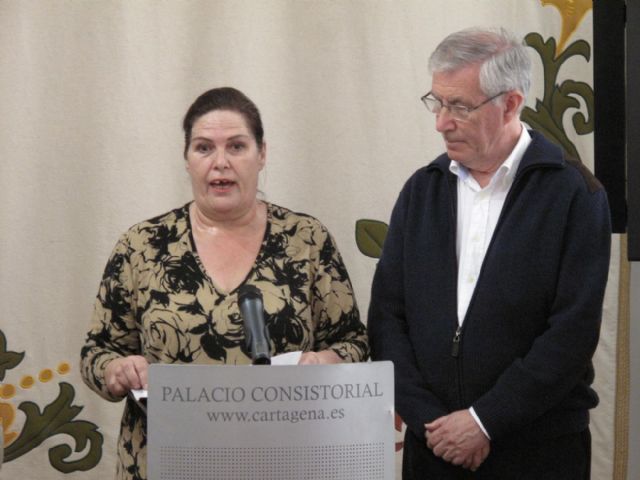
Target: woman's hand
[(126, 373), (324, 357)]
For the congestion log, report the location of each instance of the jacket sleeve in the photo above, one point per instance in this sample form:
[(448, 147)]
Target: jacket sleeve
[(389, 334), (112, 331), (336, 317), (560, 358)]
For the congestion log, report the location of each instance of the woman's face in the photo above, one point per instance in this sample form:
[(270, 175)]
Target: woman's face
[(224, 161)]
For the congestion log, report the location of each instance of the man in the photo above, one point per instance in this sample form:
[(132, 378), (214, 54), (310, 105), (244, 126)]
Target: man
[(488, 294)]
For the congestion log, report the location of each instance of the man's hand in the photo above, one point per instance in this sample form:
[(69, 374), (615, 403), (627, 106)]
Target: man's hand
[(125, 373), (458, 439)]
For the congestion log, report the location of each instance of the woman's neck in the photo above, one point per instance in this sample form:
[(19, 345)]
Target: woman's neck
[(250, 220)]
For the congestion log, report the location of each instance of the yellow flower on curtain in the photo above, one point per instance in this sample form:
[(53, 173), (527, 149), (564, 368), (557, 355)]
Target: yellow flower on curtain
[(7, 416), (572, 12)]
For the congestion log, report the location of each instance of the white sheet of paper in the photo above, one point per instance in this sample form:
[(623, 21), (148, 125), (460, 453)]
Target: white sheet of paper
[(289, 358), (138, 394)]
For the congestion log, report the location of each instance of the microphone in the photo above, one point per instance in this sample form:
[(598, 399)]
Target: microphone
[(257, 336)]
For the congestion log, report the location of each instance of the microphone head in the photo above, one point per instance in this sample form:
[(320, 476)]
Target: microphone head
[(262, 359), (246, 292), (256, 333)]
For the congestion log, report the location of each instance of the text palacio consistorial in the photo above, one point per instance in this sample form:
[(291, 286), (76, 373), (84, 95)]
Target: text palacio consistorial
[(261, 393)]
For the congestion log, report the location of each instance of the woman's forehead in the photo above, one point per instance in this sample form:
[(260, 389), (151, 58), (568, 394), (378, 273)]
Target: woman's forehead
[(221, 121)]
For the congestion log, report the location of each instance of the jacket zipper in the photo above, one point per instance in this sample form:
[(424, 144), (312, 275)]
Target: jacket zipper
[(456, 354), (457, 337), (455, 347)]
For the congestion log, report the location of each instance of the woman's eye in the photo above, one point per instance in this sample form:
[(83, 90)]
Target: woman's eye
[(237, 147), (202, 148)]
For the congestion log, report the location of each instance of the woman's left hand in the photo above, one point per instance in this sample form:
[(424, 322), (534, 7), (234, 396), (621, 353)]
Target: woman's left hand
[(324, 357)]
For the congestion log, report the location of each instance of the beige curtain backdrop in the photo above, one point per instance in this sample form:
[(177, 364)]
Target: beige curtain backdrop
[(92, 94)]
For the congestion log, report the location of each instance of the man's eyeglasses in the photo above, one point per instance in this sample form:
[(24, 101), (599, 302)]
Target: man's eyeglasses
[(457, 111)]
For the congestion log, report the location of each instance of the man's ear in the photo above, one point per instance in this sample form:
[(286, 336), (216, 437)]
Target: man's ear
[(512, 103)]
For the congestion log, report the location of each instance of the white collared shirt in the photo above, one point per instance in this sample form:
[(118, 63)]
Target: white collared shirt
[(478, 213)]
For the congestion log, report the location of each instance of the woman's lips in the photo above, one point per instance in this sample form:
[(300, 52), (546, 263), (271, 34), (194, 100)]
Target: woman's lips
[(222, 185)]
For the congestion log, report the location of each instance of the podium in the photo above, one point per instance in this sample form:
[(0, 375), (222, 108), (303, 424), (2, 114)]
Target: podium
[(310, 422)]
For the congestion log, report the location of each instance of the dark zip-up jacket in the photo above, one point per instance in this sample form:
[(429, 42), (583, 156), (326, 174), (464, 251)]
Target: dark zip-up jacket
[(523, 357)]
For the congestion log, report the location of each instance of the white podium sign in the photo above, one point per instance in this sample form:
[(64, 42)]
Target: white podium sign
[(312, 422)]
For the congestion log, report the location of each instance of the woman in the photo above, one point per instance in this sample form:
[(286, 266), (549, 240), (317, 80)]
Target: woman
[(169, 290)]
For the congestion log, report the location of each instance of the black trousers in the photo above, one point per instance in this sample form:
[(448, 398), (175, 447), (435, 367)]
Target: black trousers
[(562, 458)]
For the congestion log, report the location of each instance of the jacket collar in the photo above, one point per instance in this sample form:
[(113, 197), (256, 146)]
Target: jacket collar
[(541, 153)]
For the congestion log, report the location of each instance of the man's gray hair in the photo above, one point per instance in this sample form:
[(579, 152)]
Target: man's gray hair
[(505, 61)]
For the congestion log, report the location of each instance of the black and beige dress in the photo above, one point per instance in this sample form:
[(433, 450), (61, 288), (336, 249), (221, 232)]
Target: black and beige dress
[(156, 300)]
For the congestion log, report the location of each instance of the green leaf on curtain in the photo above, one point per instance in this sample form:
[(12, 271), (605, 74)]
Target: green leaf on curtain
[(557, 99), (8, 360), (55, 419), (370, 235)]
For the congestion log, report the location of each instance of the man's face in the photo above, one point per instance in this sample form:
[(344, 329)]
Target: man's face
[(475, 141)]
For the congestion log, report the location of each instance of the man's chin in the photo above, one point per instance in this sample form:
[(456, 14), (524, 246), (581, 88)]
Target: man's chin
[(454, 147), (454, 154)]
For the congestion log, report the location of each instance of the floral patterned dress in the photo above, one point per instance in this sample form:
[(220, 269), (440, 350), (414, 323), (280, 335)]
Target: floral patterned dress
[(156, 300)]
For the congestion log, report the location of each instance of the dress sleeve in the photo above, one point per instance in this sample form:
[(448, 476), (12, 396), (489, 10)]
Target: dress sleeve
[(336, 316), (112, 331)]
